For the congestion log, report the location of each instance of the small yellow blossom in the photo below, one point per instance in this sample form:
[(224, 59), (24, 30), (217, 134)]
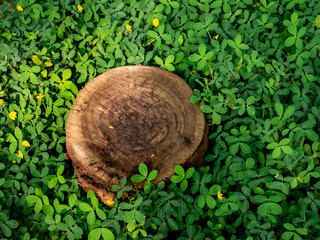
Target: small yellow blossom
[(80, 8), (110, 202), (14, 161), (220, 195), (152, 155), (20, 9), (193, 72), (128, 27), (155, 22), (13, 115), (44, 73), (216, 37), (40, 96), (20, 154), (111, 127), (26, 143), (1, 101)]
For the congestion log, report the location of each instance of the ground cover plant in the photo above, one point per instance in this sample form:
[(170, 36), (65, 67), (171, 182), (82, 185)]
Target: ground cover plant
[(254, 67)]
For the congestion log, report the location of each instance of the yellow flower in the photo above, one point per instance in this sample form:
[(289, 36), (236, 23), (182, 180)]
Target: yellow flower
[(14, 161), (155, 22), (20, 154), (1, 101), (80, 8), (44, 73), (128, 27), (26, 144), (13, 115), (110, 202), (216, 37), (20, 9), (220, 195), (40, 96)]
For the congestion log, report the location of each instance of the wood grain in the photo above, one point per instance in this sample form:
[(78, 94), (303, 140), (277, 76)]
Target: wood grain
[(129, 115)]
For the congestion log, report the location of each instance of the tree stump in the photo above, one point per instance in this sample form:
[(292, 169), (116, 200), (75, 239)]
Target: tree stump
[(131, 115)]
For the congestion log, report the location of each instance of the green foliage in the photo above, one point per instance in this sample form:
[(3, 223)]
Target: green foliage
[(254, 68)]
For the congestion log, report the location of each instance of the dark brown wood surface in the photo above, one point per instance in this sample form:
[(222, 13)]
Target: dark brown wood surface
[(131, 115)]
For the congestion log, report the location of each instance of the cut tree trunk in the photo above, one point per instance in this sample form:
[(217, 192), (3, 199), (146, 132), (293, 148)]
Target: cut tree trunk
[(131, 115)]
